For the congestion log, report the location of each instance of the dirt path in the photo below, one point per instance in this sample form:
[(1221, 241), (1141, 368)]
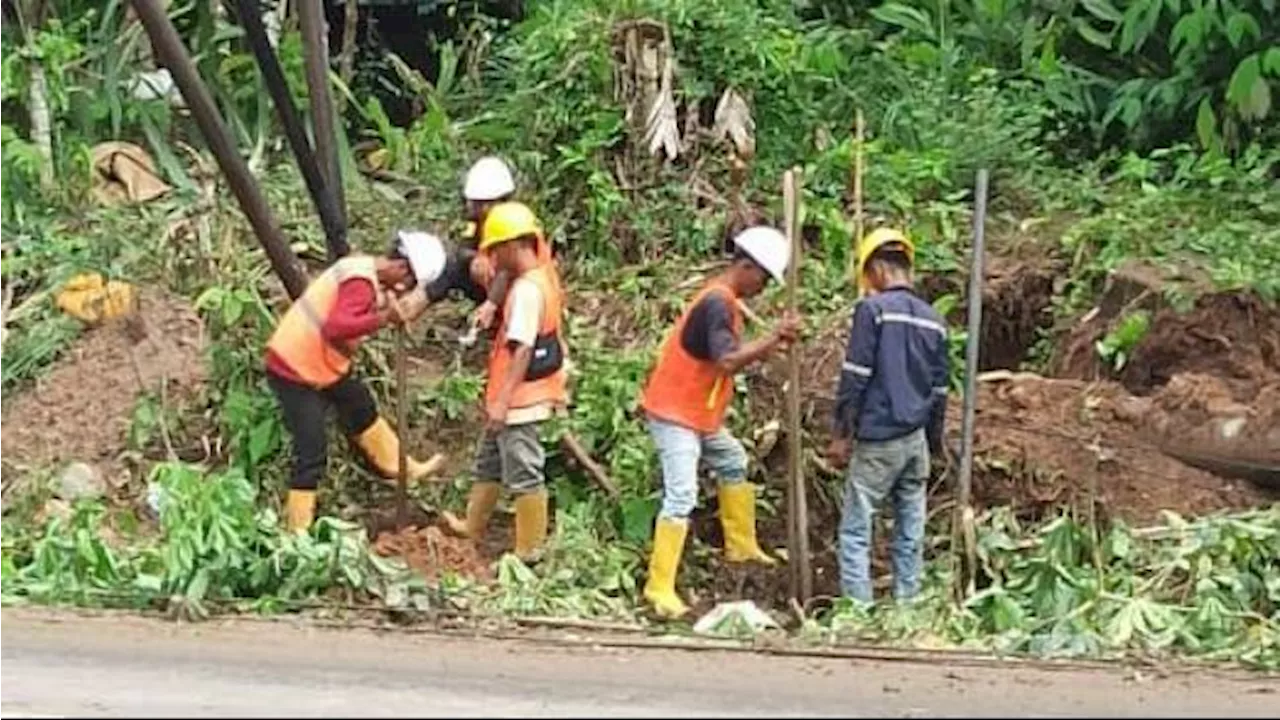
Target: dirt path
[(69, 665)]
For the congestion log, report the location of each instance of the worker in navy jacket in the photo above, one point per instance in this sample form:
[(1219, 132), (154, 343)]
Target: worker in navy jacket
[(890, 407)]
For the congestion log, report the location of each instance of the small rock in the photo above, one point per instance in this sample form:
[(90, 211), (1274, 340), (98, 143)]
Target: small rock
[(53, 509), (81, 480), (1228, 429)]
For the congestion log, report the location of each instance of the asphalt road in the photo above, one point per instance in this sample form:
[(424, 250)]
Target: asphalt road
[(63, 665)]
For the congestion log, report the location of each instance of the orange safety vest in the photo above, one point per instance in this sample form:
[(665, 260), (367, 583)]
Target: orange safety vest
[(297, 339), (683, 389), (546, 381)]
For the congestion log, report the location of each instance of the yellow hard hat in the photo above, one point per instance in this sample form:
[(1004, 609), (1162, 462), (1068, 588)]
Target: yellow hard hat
[(877, 239), (508, 221)]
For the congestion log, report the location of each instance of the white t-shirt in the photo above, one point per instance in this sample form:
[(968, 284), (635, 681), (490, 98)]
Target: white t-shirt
[(524, 314), (524, 319)]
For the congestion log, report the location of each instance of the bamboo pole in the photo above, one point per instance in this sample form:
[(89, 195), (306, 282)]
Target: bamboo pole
[(859, 220), (315, 55), (798, 524), (172, 54), (321, 191), (964, 507)]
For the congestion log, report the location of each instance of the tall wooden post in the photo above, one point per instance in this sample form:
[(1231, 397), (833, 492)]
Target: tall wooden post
[(797, 508)]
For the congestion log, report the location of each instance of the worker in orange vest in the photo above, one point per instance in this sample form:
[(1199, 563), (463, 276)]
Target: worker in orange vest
[(685, 400), (527, 382), (308, 359)]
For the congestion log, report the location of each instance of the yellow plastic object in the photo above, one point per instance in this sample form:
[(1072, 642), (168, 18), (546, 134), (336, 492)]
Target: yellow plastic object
[(531, 523), (664, 561), (738, 518), (300, 510), (381, 445), (91, 299), (480, 504)]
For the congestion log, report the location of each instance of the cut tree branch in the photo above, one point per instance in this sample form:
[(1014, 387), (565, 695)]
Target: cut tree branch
[(574, 447)]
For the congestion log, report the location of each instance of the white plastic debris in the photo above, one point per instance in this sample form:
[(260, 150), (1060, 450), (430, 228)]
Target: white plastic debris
[(155, 497), (734, 619)]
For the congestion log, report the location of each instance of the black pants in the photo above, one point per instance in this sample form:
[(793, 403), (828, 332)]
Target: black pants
[(304, 415)]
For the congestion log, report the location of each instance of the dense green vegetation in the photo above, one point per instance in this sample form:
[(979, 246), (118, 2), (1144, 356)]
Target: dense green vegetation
[(1140, 129)]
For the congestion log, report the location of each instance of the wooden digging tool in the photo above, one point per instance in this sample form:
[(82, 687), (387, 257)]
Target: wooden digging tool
[(402, 417), (963, 530), (798, 525)]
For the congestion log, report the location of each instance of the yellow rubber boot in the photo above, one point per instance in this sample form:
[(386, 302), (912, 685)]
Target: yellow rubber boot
[(381, 445), (299, 510), (664, 561), (738, 518), (480, 503), (531, 523)]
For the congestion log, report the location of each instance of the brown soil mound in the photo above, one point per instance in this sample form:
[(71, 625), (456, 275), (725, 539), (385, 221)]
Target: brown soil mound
[(433, 553), (1232, 337), (81, 410), (1043, 443)]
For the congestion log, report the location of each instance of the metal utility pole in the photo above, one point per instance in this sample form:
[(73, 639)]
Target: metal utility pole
[(172, 54), (964, 509), (315, 55), (323, 194)]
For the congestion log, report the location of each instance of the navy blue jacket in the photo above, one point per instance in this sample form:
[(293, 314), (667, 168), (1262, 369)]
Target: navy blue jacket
[(894, 377)]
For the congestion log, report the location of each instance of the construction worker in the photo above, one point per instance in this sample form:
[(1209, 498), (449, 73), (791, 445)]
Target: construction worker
[(526, 385), (685, 400), (891, 398), (308, 359), (488, 182)]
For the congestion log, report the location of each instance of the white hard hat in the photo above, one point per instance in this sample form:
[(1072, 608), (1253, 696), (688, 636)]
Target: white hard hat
[(488, 179), (425, 253), (768, 247)]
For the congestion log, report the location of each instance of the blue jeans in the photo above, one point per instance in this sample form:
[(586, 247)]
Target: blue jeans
[(897, 468), (681, 450)]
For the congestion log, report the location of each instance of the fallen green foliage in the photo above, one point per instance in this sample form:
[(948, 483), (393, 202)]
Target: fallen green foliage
[(215, 546), (1208, 589)]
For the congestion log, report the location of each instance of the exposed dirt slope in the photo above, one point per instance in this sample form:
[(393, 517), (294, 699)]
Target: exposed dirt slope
[(82, 408)]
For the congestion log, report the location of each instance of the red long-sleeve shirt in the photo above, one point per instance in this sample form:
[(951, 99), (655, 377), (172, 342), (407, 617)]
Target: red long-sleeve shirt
[(354, 315)]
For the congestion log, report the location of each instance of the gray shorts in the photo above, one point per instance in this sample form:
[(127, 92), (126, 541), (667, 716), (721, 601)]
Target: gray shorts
[(514, 456)]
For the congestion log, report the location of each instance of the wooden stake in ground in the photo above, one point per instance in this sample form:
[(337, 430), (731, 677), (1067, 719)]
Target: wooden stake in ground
[(172, 54), (859, 221), (402, 424), (963, 531), (797, 508)]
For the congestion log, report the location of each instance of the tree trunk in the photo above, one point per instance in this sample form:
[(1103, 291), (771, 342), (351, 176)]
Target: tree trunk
[(347, 63)]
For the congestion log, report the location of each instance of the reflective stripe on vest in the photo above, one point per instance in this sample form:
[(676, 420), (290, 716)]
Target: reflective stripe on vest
[(683, 389), (298, 339), (552, 388)]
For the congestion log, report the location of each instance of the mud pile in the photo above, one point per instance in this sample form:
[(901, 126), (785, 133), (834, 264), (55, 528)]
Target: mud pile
[(81, 410), (432, 553), (1043, 443)]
